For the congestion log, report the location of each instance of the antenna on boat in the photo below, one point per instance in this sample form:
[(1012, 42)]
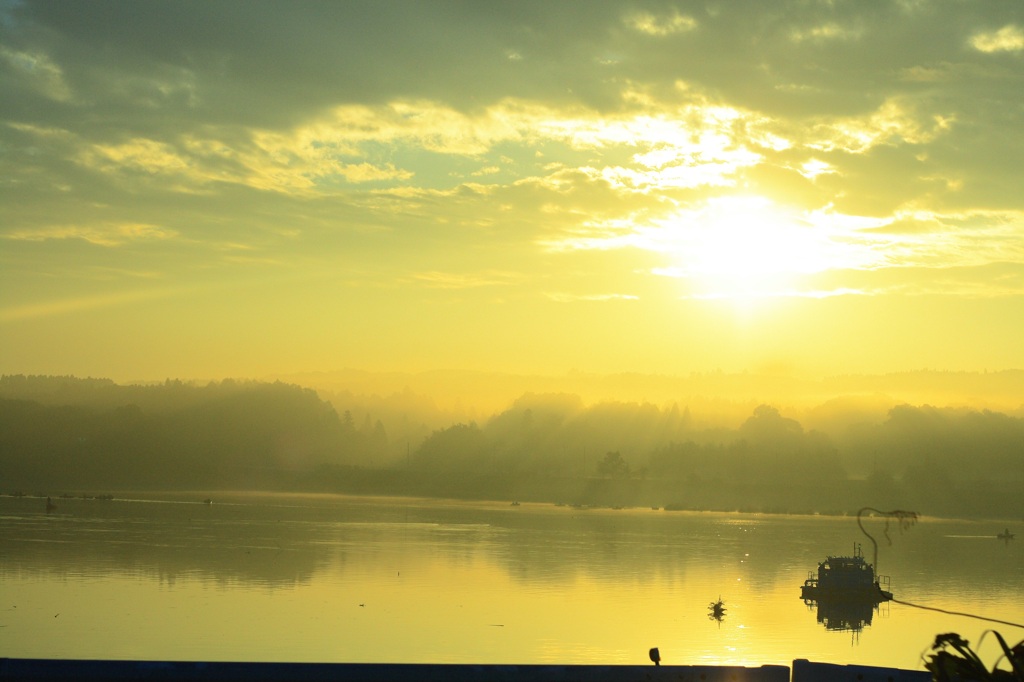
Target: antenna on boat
[(906, 520)]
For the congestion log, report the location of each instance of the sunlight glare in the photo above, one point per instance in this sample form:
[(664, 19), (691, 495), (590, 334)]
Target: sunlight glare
[(746, 247)]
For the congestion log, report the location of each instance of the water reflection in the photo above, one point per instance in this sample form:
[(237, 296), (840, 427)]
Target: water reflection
[(844, 616), (248, 540), (323, 578), (170, 541)]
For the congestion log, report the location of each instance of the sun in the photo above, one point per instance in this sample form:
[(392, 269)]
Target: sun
[(745, 247)]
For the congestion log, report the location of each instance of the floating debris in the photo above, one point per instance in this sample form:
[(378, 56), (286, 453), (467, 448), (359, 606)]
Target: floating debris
[(716, 610)]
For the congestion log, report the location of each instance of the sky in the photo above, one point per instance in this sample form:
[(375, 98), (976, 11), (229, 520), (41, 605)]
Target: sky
[(235, 189)]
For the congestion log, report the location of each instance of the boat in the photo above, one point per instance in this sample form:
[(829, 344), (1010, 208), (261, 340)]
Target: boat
[(1006, 535), (846, 578)]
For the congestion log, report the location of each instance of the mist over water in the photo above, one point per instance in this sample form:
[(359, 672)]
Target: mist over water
[(258, 577)]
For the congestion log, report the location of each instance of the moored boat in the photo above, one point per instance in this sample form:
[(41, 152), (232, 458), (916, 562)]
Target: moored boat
[(848, 578)]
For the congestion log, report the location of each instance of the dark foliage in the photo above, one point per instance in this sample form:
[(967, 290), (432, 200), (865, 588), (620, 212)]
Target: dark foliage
[(953, 660)]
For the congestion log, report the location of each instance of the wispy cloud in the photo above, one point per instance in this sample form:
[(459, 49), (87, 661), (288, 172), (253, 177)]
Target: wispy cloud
[(79, 304), (451, 280), (104, 234), (563, 297)]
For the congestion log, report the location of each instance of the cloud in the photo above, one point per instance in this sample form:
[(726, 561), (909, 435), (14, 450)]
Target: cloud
[(45, 132), (110, 234), (1009, 38), (987, 281), (761, 293), (147, 156), (825, 32), (819, 106), (265, 161), (897, 120), (449, 280), (814, 168), (39, 73), (673, 144), (562, 297), (929, 238), (605, 235), (661, 24)]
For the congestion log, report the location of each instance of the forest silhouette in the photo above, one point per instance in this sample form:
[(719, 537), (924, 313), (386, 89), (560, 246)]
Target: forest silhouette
[(65, 435)]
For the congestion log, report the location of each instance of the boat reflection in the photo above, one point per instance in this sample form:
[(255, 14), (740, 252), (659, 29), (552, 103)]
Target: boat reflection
[(844, 615), (846, 592)]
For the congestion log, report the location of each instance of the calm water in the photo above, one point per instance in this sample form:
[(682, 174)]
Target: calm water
[(324, 579)]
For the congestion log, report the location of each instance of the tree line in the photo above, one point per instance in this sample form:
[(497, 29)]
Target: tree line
[(68, 434)]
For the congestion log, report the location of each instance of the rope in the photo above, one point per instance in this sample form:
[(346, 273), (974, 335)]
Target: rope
[(957, 613)]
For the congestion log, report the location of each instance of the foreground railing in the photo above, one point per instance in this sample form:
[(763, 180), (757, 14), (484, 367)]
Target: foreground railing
[(46, 670)]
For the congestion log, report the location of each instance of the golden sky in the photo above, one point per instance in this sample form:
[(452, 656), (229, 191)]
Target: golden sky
[(211, 189)]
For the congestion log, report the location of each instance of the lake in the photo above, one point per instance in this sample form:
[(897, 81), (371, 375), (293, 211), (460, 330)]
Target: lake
[(321, 578)]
